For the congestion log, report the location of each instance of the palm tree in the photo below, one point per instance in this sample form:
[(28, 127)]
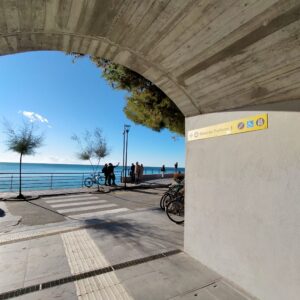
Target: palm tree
[(24, 141)]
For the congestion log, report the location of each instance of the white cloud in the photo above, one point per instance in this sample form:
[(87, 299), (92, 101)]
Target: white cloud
[(34, 117)]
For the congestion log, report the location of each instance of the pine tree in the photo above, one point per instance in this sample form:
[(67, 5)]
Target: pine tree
[(146, 103)]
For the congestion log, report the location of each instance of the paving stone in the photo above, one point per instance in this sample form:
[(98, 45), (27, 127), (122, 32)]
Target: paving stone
[(11, 247), (134, 271), (184, 272), (40, 269), (63, 292), (223, 291), (218, 291), (13, 268), (150, 286), (45, 241)]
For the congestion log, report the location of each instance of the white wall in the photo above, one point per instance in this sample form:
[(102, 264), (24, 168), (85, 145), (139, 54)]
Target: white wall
[(243, 202)]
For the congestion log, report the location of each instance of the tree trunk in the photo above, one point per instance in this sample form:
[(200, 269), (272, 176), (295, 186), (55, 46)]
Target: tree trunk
[(20, 196), (98, 178)]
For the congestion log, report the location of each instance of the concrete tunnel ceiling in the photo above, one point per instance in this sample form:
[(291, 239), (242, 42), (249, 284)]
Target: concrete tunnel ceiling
[(207, 56)]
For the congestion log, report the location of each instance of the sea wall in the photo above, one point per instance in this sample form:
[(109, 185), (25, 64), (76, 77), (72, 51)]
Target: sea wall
[(147, 177)]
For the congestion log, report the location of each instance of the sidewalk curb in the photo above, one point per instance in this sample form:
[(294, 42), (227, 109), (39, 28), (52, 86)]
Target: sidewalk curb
[(148, 186), (116, 188)]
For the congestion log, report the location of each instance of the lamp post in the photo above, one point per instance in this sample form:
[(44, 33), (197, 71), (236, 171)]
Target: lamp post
[(123, 171), (125, 150)]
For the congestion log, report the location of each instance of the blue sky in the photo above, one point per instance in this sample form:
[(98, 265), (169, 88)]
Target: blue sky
[(64, 98)]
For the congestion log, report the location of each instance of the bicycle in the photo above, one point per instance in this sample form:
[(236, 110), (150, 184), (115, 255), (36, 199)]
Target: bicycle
[(94, 179), (175, 210), (170, 194)]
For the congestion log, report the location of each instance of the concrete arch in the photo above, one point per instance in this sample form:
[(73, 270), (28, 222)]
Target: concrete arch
[(208, 56), (101, 47)]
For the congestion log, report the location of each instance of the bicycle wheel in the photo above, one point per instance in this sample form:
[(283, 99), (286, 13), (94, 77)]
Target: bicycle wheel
[(165, 199), (175, 211), (100, 180), (162, 200), (88, 182)]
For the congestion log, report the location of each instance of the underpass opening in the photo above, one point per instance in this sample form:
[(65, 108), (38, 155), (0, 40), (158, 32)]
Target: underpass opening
[(207, 57)]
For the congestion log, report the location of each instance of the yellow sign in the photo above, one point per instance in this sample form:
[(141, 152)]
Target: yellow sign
[(258, 122)]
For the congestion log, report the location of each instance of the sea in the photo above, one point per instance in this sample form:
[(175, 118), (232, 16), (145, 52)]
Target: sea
[(6, 167), (56, 176)]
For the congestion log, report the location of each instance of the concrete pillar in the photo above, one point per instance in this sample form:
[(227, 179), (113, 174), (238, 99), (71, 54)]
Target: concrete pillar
[(243, 201)]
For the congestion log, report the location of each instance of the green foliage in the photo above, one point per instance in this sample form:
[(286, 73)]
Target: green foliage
[(93, 146), (146, 104), (23, 140), (84, 155)]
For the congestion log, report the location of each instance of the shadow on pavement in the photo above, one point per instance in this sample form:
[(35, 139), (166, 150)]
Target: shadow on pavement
[(143, 235), (144, 192), (2, 213)]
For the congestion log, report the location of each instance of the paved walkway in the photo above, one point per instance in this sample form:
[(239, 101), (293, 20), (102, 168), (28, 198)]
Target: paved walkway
[(136, 253)]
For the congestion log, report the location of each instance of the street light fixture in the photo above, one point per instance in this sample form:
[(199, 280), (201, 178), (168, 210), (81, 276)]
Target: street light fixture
[(125, 150)]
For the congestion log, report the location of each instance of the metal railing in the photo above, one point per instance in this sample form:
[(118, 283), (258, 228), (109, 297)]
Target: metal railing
[(9, 182)]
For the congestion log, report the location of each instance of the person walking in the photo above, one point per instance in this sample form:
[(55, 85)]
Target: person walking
[(111, 174), (137, 169), (176, 167), (105, 172), (163, 170), (132, 173), (141, 173)]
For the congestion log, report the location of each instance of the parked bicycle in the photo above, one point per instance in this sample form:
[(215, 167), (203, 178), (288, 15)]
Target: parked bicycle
[(175, 210), (171, 194), (94, 179)]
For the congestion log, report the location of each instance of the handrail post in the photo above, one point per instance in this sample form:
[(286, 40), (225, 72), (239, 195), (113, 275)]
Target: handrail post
[(51, 182), (11, 182)]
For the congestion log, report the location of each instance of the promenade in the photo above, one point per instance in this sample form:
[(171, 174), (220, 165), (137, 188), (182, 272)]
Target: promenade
[(116, 245)]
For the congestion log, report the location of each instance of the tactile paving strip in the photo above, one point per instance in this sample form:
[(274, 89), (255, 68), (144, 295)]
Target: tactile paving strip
[(76, 277)]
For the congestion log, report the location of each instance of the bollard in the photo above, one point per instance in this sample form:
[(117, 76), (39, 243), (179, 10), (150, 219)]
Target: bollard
[(82, 181), (11, 182)]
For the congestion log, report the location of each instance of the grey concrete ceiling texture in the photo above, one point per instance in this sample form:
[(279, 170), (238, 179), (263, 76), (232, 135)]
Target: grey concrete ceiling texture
[(206, 55)]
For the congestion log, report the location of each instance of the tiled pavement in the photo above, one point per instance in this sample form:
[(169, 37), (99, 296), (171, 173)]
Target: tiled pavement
[(86, 257), (55, 214), (37, 261), (120, 239)]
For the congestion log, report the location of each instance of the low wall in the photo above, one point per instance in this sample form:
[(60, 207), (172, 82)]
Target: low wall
[(147, 177), (242, 201)]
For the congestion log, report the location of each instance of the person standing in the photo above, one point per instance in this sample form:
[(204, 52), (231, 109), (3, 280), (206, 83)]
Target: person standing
[(105, 172), (141, 173), (163, 170), (132, 173), (137, 169), (176, 167), (111, 174)]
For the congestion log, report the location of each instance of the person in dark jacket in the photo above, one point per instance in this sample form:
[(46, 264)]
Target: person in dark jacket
[(137, 169), (111, 174), (141, 173), (132, 173), (176, 167), (105, 172), (163, 170)]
